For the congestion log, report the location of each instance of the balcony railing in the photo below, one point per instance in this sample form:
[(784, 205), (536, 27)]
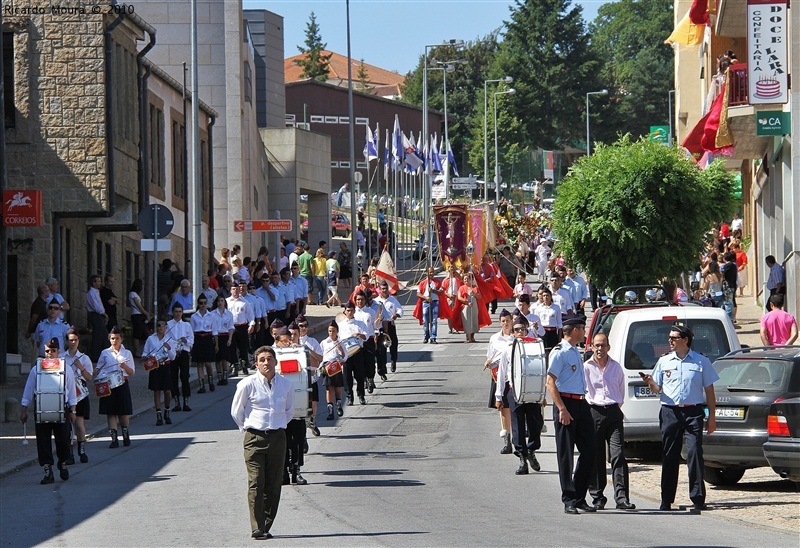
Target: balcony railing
[(737, 80)]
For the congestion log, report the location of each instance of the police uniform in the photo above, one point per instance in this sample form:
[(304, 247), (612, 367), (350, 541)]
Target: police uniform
[(683, 383), (47, 330), (566, 366)]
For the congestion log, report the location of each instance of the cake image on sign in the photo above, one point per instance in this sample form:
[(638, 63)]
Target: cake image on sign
[(768, 88)]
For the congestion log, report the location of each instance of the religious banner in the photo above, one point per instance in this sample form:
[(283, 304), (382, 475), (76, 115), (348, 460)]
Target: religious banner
[(451, 230), (477, 234), (767, 53)]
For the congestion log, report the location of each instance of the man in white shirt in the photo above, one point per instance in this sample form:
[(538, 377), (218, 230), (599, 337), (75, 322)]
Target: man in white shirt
[(52, 283), (561, 295), (97, 318), (244, 322), (350, 327), (181, 331), (262, 407), (392, 309), (366, 315)]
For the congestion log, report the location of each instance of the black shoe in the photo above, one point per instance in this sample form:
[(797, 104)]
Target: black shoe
[(585, 507), (314, 429), (625, 506), (600, 504), (535, 466), (698, 508), (394, 367), (186, 407), (126, 441), (339, 410), (523, 467), (71, 458), (211, 387), (63, 472), (177, 408), (159, 421), (433, 341), (425, 341), (114, 444), (569, 509), (48, 475), (84, 458), (223, 382), (370, 387), (268, 535), (384, 378), (258, 534), (299, 479), (167, 418), (202, 390), (507, 449), (665, 507), (330, 415), (362, 400), (349, 400)]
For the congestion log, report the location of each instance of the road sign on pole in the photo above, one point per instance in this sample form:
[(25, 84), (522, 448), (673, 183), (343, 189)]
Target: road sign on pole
[(156, 221), (268, 225)]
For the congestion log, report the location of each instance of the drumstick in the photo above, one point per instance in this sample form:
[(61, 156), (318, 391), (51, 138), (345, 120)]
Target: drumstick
[(24, 433)]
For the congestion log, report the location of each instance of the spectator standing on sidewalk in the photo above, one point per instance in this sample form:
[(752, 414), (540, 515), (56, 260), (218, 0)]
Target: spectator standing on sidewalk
[(778, 327)]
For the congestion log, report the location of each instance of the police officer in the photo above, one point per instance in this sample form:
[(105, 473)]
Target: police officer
[(682, 377), (572, 417), (50, 328)]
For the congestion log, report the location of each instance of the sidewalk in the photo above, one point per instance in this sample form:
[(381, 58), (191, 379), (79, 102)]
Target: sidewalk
[(14, 455)]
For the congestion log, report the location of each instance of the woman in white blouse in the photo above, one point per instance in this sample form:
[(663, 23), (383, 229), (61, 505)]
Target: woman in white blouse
[(117, 406), (223, 337)]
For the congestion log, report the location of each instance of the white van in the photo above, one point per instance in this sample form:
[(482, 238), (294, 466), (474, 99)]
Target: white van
[(638, 338)]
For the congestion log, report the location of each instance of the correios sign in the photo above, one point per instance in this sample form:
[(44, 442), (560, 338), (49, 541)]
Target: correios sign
[(22, 208)]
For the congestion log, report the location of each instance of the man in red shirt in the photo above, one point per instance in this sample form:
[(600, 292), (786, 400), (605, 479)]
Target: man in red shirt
[(778, 327)]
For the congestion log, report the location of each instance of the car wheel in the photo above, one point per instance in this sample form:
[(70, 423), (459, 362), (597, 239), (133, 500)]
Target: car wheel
[(722, 476)]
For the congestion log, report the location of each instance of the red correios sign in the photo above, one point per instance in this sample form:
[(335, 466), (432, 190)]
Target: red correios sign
[(22, 208)]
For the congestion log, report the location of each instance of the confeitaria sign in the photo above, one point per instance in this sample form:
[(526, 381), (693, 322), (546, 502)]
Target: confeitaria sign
[(767, 52)]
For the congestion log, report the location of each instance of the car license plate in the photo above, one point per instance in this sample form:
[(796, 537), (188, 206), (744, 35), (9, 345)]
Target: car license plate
[(643, 392), (730, 412)]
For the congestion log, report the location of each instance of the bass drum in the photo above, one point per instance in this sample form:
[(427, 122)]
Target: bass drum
[(528, 370), (293, 365), (50, 391)]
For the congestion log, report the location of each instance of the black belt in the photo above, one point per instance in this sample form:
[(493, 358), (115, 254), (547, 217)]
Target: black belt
[(240, 325), (254, 431)]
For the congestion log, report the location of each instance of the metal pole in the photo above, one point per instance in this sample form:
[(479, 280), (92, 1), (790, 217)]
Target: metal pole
[(485, 142), (496, 155), (3, 236), (446, 139), (588, 146), (155, 262), (670, 96), (351, 134), (426, 182), (197, 236)]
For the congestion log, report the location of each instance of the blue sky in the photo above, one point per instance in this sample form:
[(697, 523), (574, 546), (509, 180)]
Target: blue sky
[(381, 30)]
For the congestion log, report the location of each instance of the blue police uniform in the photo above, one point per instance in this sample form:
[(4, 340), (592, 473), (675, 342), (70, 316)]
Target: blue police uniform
[(683, 383), (566, 365)]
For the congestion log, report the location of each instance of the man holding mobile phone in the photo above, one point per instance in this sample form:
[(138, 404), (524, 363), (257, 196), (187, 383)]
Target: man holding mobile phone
[(682, 377)]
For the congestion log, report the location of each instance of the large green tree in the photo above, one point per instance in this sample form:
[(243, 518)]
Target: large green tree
[(636, 67), (315, 60), (636, 211)]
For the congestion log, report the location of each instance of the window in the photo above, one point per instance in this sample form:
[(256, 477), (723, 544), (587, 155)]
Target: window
[(334, 164), (156, 143), (306, 126), (647, 341), (99, 253), (248, 83), (205, 179), (9, 110), (255, 198), (178, 160), (290, 118), (362, 121), (331, 120), (129, 270), (316, 119), (344, 119), (361, 165), (344, 164), (108, 259)]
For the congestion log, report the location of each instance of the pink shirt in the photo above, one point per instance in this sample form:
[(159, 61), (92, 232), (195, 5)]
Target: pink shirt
[(778, 325), (604, 386)]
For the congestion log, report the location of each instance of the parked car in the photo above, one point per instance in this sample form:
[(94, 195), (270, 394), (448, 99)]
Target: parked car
[(638, 338), (782, 448), (750, 381), (340, 225)]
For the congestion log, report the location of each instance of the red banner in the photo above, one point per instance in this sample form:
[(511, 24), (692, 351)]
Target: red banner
[(451, 230)]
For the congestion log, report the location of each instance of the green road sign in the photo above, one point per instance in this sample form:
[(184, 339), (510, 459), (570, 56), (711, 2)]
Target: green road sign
[(659, 134), (773, 122)]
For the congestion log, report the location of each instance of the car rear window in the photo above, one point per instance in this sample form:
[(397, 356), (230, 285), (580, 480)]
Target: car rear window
[(647, 341), (759, 375)]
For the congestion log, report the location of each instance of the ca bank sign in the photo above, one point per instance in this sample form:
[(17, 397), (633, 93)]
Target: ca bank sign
[(773, 123)]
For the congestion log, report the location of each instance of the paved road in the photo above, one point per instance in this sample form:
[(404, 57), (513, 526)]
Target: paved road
[(418, 466)]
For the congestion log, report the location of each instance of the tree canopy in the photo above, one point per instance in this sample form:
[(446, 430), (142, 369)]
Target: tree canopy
[(314, 61), (637, 211)]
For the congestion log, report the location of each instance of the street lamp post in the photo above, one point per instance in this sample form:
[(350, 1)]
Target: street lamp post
[(601, 92), (510, 91), (669, 100), (426, 191), (506, 80), (447, 66)]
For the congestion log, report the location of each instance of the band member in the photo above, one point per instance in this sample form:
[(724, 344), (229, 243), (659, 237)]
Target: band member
[(550, 315), (181, 331), (262, 407), (354, 366), (367, 316), (223, 338), (248, 291), (605, 392), (244, 321), (82, 371), (572, 417), (204, 350), (332, 350), (526, 418), (295, 429), (499, 343), (535, 328), (50, 328), (391, 310), (315, 354), (117, 406), (58, 430), (161, 346), (269, 295)]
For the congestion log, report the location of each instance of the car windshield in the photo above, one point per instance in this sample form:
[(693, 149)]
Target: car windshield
[(647, 341), (761, 375)]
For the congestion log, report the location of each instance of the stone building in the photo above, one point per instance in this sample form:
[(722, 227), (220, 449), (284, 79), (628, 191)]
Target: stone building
[(74, 129)]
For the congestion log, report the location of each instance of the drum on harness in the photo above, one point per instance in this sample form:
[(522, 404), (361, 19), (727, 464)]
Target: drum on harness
[(528, 370)]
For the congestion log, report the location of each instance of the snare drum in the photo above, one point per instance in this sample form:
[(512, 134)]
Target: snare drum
[(351, 346), (151, 364), (528, 371), (81, 390), (333, 368), (50, 390), (293, 365), (105, 384)]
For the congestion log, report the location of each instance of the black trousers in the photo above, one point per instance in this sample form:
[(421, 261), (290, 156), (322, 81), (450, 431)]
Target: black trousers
[(354, 367), (380, 356), (608, 430), (395, 342), (295, 439), (240, 344), (99, 335), (271, 317), (264, 458), (550, 339), (368, 358), (526, 424), (681, 425), (579, 433), (180, 369), (262, 334), (44, 448)]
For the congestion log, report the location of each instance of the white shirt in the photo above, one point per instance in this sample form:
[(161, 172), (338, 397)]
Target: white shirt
[(503, 373), (155, 347), (223, 323), (211, 295), (110, 360), (367, 317), (260, 406), (259, 308), (330, 349), (550, 315), (391, 307), (351, 328), (78, 358), (180, 330), (202, 322), (93, 301), (533, 318), (542, 251), (241, 310), (498, 343), (736, 224)]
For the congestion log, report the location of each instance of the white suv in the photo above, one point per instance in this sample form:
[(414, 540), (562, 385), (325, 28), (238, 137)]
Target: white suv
[(638, 338)]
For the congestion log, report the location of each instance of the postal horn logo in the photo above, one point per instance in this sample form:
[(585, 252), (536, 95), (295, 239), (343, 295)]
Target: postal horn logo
[(18, 200)]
